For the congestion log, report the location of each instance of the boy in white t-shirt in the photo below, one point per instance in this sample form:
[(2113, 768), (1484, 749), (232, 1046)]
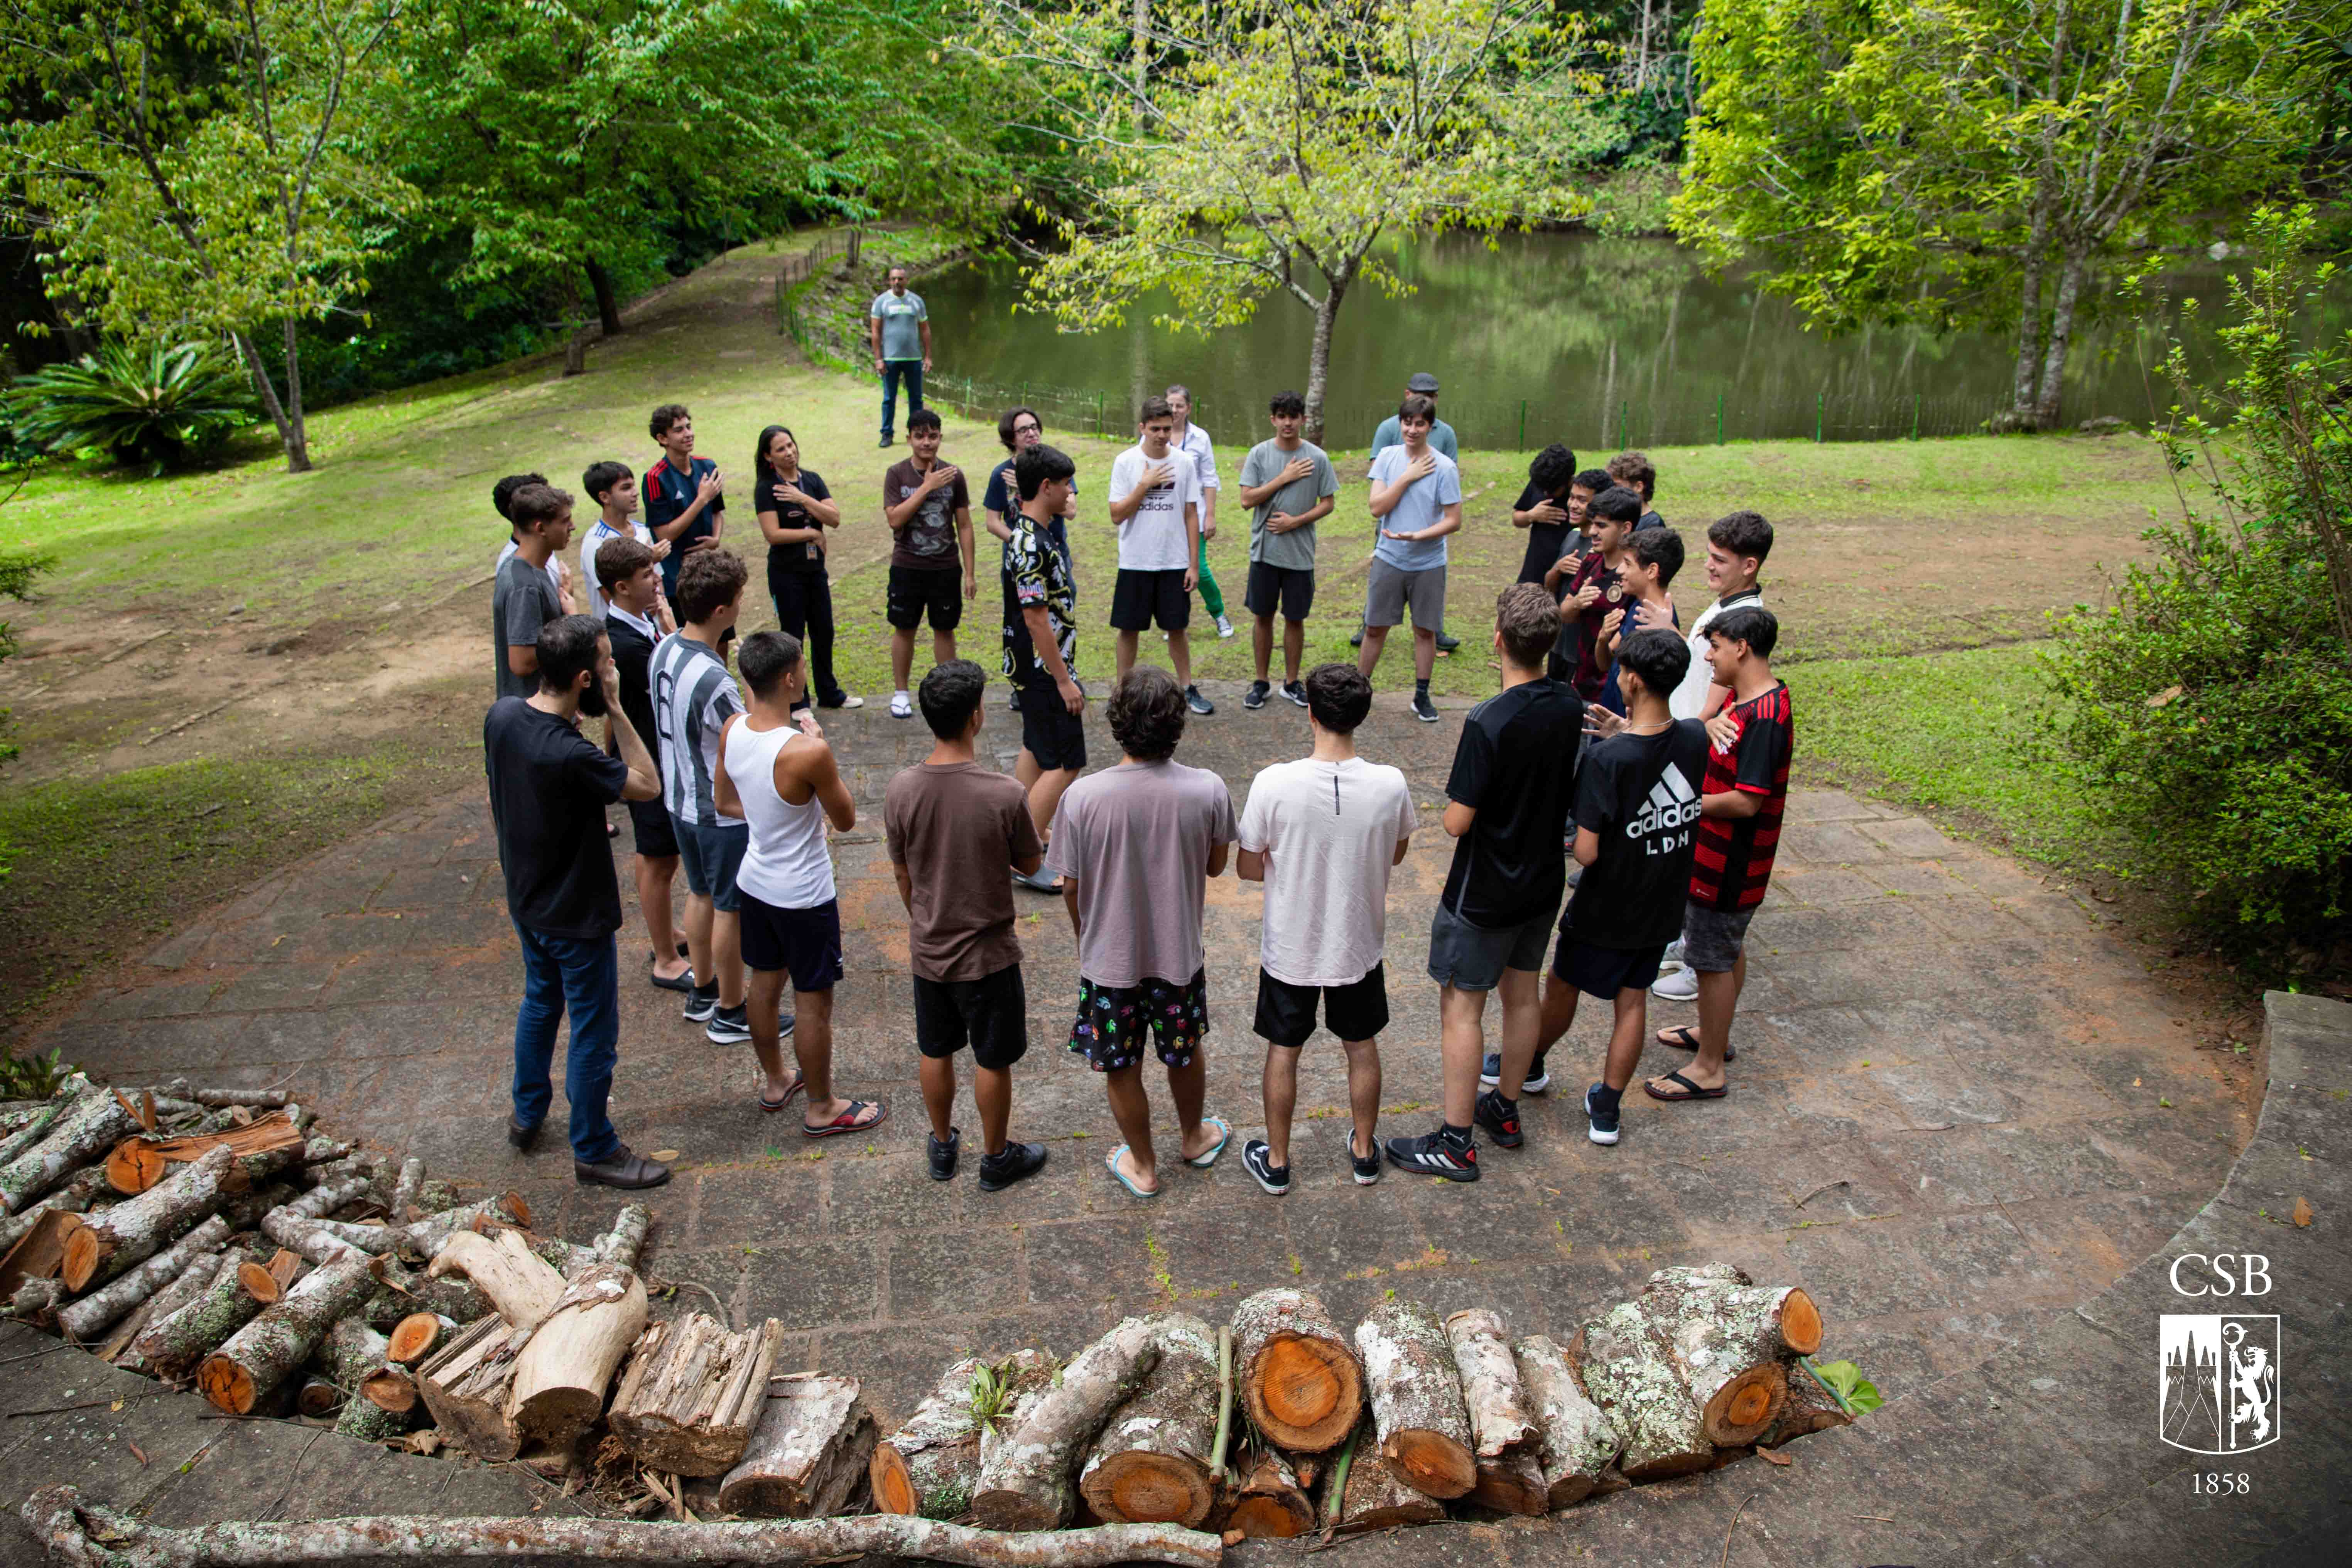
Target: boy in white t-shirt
[(1155, 504), (614, 489), (1736, 548), (1322, 834)]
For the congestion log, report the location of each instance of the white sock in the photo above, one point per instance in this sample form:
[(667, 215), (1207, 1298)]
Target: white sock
[(899, 697)]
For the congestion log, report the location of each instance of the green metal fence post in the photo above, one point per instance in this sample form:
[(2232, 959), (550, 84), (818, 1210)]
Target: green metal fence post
[(1523, 424), (1718, 420), (1624, 421), (1915, 416), (1820, 402)]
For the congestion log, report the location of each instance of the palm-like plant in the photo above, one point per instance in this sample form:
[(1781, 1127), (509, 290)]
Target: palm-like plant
[(164, 407)]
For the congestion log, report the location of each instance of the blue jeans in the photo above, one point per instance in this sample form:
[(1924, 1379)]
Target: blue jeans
[(894, 371), (560, 975)]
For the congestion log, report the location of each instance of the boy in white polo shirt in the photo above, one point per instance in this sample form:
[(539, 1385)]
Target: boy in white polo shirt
[(1155, 504)]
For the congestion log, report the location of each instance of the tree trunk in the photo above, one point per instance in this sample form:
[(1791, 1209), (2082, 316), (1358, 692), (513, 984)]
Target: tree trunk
[(1627, 1371), (74, 1529), (1372, 1497), (1025, 1480), (172, 1347), (1151, 1466), (1318, 360), (627, 1240), (608, 303), (1503, 1432), (298, 445), (930, 1465), (190, 1284), (290, 437), (1808, 1409), (523, 1287), (1416, 1396), (561, 1376), (95, 1123), (1578, 1447), (1299, 1381), (271, 1349), (137, 1228), (96, 1313), (807, 1453), (1268, 1503), (693, 1392), (2053, 355), (2028, 367)]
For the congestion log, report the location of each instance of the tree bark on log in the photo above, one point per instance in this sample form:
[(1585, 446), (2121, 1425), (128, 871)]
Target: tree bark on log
[(1512, 1483), (407, 1290), (37, 1128), (371, 1423), (425, 1236), (407, 1189), (1628, 1372), (523, 1287), (807, 1453), (327, 1196), (1299, 1380), (693, 1392), (1781, 1319), (1372, 1497), (265, 1352), (627, 1239), (77, 1532), (172, 1347), (561, 1375), (353, 1356), (930, 1465), (1267, 1503), (1809, 1409), (1499, 1417), (1026, 1481), (139, 1162), (186, 1287), (74, 1197), (1416, 1399), (252, 1099), (1151, 1466), (314, 1240), (95, 1123), (466, 1385), (101, 1309), (137, 1228), (318, 1398), (1578, 1449), (1726, 1340)]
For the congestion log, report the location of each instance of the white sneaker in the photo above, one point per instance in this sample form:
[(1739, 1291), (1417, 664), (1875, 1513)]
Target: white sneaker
[(1678, 985), (1674, 953), (1224, 627), (901, 706)]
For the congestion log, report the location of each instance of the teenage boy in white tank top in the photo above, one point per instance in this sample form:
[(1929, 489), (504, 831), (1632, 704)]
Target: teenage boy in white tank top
[(781, 781)]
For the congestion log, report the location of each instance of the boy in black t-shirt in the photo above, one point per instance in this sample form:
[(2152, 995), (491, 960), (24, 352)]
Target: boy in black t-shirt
[(1544, 509), (1507, 806), (1637, 810)]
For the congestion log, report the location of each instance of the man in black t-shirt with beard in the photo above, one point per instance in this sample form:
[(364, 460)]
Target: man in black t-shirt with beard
[(1507, 806)]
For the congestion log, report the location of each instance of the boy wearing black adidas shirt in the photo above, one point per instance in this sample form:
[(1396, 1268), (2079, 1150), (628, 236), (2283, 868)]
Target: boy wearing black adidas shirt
[(1637, 811)]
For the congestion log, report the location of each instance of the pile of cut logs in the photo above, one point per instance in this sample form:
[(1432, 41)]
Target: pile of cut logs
[(208, 1238)]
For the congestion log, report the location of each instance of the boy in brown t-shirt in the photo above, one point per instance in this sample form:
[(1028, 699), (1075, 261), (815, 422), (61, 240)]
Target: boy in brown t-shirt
[(956, 832)]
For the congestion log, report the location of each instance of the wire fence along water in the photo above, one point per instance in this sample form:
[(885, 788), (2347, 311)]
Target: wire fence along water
[(1589, 422)]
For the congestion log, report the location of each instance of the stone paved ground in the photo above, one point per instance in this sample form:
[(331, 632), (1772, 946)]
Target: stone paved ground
[(1985, 1072)]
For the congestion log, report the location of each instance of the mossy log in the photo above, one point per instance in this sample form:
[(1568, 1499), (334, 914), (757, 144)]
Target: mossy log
[(1025, 1479), (183, 1288), (808, 1453), (1628, 1372), (1299, 1380), (930, 1466), (693, 1392), (172, 1347), (76, 1531), (265, 1352), (101, 1309), (1372, 1497), (1578, 1447), (627, 1239), (136, 1229), (82, 1135), (1416, 1399), (73, 1198), (1150, 1465), (1809, 1409), (407, 1188), (1265, 1500)]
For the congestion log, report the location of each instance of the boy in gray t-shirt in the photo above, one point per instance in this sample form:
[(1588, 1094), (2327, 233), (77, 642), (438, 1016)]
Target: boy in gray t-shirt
[(1289, 484)]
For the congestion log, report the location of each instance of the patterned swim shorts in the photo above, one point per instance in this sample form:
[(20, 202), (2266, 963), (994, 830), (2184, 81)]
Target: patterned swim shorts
[(1112, 1021)]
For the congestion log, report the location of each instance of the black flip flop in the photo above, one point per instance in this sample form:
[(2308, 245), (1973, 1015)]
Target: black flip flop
[(675, 983), (1683, 1038), (1696, 1092), (772, 1107)]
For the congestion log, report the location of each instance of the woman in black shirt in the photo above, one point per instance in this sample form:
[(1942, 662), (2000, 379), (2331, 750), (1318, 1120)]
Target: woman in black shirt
[(794, 510)]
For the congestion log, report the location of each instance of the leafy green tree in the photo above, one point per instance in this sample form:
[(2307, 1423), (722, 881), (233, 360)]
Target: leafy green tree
[(1979, 163), (1230, 156), (197, 175)]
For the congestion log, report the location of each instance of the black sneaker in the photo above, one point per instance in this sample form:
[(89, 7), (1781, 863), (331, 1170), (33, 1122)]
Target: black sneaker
[(886, 439), (520, 1136), (1295, 691), (1257, 1159), (943, 1155), (1367, 1166), (1255, 698), (1435, 1154), (1446, 644), (1490, 1075), (728, 1027), (1424, 709), (699, 1003), (1357, 639), (1198, 703), (1500, 1118), (1018, 1162), (1603, 1130), (623, 1170)]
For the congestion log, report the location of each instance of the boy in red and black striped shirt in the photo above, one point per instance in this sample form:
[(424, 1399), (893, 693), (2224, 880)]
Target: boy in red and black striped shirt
[(1740, 805)]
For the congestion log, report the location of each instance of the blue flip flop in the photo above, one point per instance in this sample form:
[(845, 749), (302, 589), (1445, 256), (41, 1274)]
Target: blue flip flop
[(1111, 1164), (1225, 1136)]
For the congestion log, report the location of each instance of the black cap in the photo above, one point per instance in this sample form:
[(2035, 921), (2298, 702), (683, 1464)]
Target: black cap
[(1421, 380)]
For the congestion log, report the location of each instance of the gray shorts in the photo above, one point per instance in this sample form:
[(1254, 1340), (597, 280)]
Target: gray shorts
[(711, 856), (1712, 937), (1389, 589), (1473, 958)]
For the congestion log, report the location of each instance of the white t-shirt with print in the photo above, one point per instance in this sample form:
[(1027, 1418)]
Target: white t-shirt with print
[(1154, 539)]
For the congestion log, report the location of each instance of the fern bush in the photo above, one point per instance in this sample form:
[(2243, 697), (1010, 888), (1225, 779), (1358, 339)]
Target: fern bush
[(165, 406)]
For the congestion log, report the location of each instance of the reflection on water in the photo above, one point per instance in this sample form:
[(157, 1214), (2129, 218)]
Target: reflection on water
[(1598, 342)]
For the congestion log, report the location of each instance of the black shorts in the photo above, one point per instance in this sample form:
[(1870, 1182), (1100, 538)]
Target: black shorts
[(1141, 597), (1602, 971), (649, 821), (1290, 588), (1114, 1021), (1049, 731), (990, 1014), (805, 942), (1286, 1012), (915, 589)]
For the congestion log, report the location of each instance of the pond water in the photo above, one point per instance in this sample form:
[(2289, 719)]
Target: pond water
[(1571, 337)]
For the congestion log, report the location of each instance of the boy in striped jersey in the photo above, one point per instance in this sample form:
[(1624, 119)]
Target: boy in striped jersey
[(1745, 790)]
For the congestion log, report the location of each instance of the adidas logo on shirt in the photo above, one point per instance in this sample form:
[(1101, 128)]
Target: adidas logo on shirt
[(1672, 805)]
